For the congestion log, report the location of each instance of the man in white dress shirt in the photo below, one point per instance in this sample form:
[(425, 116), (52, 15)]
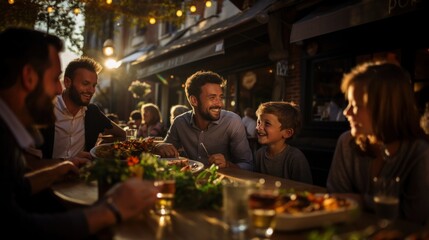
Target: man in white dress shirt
[(78, 123)]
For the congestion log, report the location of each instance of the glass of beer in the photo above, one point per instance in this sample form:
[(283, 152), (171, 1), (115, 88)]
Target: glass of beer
[(166, 185), (386, 199), (262, 208)]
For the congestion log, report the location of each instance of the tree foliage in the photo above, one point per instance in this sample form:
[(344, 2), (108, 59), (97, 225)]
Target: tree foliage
[(62, 20)]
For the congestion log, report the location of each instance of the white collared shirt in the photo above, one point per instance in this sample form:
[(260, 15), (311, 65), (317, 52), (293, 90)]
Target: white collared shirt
[(21, 134), (69, 137)]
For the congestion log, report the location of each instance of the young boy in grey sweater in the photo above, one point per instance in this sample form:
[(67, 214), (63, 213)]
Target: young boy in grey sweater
[(278, 122)]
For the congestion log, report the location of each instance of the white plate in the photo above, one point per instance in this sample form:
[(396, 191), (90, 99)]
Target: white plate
[(195, 165), (94, 149), (293, 222)]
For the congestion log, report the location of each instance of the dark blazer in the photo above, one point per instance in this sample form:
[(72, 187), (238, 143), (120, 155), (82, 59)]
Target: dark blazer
[(15, 194), (95, 123)]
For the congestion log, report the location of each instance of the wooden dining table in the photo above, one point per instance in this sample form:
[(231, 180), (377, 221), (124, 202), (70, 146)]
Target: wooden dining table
[(208, 224)]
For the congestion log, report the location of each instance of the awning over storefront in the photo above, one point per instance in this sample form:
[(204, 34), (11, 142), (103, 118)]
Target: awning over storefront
[(208, 50), (135, 55), (339, 17), (205, 42)]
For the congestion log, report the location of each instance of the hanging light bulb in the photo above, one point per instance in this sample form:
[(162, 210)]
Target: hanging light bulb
[(50, 9), (109, 2), (152, 20), (11, 2), (208, 3), (76, 11), (193, 8), (179, 13)]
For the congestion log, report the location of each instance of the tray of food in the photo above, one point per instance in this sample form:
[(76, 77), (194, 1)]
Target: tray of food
[(309, 210)]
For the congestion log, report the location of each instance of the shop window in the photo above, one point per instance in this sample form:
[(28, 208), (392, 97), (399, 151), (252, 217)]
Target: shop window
[(327, 99), (256, 87), (167, 28)]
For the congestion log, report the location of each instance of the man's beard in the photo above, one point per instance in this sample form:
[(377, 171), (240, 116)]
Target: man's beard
[(206, 115), (40, 106), (75, 97)]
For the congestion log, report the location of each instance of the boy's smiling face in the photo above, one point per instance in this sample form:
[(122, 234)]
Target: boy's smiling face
[(269, 129)]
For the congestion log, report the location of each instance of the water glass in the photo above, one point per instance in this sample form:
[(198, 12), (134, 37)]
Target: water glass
[(131, 133), (235, 204), (166, 185), (386, 199), (263, 201)]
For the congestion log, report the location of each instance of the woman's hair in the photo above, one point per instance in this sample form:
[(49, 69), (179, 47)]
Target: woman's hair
[(154, 112), (389, 98), (176, 110), (288, 114)]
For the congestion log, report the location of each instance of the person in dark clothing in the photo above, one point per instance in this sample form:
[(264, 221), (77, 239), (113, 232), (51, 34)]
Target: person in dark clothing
[(30, 68), (384, 142)]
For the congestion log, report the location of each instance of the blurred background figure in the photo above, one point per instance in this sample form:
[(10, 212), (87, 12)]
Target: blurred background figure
[(113, 117), (151, 125), (135, 119), (176, 110), (249, 121)]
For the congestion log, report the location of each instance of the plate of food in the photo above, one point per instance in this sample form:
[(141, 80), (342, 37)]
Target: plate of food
[(308, 210), (121, 150), (184, 164)]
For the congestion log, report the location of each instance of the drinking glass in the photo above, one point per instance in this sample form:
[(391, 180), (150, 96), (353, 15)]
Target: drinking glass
[(262, 208), (131, 133), (386, 199), (235, 204), (166, 185)]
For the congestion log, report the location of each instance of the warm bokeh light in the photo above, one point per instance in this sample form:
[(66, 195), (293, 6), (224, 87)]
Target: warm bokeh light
[(193, 8), (11, 1), (50, 9), (108, 51), (179, 13), (270, 70), (208, 3), (108, 48), (152, 20), (111, 63), (76, 11), (171, 76), (109, 1)]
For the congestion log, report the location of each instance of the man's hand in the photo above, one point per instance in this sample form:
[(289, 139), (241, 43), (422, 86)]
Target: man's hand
[(219, 160), (81, 159), (165, 150)]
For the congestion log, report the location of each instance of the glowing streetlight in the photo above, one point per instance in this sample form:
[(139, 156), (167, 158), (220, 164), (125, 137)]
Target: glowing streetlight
[(108, 48)]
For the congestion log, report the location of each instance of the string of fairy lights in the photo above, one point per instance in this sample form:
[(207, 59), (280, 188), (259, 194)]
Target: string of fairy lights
[(77, 6)]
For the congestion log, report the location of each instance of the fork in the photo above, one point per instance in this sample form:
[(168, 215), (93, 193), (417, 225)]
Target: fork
[(205, 149)]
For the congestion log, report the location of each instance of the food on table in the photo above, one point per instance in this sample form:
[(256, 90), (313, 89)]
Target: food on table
[(309, 202), (183, 164), (124, 149)]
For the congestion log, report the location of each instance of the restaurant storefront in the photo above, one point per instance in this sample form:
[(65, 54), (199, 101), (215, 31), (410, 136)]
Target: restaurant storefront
[(236, 48)]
